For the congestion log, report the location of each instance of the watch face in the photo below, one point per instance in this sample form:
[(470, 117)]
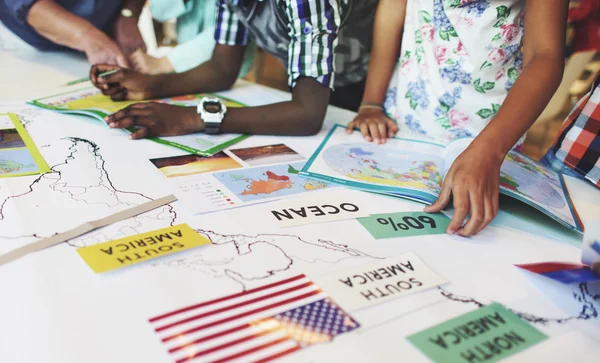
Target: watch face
[(212, 107)]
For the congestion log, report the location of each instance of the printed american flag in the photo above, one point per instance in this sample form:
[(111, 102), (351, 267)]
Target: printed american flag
[(257, 325)]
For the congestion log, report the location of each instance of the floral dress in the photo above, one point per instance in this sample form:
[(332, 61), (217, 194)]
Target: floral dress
[(459, 59)]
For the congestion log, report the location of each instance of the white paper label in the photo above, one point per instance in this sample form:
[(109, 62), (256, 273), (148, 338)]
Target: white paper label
[(316, 208), (379, 282)]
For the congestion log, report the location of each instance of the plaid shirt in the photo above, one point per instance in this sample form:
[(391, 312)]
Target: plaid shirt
[(578, 144), (308, 38)]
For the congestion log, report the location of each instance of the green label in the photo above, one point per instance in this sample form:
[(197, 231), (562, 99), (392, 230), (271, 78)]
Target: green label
[(406, 224), (487, 334)]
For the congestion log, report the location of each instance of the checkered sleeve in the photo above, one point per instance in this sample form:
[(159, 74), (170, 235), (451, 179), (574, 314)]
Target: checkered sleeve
[(313, 29), (229, 30), (578, 143)]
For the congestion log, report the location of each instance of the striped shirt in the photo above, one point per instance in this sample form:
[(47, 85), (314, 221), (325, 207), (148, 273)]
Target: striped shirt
[(328, 40)]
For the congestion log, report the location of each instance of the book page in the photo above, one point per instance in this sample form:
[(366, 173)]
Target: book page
[(89, 101), (406, 168), (543, 189), (83, 100), (18, 154)]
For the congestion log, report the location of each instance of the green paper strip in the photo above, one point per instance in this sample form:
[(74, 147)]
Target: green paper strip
[(405, 224), (487, 334)]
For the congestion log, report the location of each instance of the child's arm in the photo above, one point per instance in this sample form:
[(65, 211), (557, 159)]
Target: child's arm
[(473, 179), (387, 35)]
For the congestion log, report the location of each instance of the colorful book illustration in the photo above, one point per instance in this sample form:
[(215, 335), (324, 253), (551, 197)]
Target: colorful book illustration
[(18, 154), (256, 325), (236, 177), (91, 102), (415, 170), (567, 273)]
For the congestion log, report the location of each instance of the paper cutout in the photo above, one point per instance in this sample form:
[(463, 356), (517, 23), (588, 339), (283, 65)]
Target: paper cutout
[(315, 208), (128, 251), (405, 224), (567, 273), (379, 282), (18, 154), (487, 334)]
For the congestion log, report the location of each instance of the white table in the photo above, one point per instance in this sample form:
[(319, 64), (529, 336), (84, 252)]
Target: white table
[(54, 309)]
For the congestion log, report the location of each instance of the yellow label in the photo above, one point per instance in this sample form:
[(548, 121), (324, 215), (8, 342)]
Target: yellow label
[(139, 248)]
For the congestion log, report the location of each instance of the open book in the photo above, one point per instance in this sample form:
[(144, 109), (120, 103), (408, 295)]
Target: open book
[(89, 101), (415, 170)]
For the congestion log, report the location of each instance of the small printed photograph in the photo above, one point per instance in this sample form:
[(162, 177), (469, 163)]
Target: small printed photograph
[(16, 162), (193, 164), (269, 154), (10, 139)]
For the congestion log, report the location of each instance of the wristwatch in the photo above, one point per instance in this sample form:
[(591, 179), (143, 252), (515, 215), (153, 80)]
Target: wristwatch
[(212, 111), (127, 13)]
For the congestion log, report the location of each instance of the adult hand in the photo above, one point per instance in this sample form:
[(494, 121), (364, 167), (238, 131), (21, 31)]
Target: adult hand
[(473, 181), (127, 34), (123, 85), (157, 119), (145, 63), (373, 124), (99, 48)]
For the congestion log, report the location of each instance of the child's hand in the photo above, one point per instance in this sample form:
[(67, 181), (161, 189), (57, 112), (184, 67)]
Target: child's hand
[(473, 181), (156, 119), (123, 85), (373, 124)]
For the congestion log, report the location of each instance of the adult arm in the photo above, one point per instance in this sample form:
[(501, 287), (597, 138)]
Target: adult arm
[(387, 36), (473, 179), (126, 31), (62, 27)]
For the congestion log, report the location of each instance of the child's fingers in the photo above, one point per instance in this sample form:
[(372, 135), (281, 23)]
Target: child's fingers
[(351, 126), (374, 130), (461, 208), (139, 133), (476, 215), (382, 127), (443, 199), (392, 128), (364, 130)]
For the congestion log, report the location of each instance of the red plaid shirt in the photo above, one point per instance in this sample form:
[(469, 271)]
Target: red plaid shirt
[(578, 144)]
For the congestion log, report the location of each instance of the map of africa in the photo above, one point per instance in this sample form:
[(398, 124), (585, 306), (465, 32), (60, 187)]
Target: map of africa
[(521, 176), (374, 164), (268, 182)]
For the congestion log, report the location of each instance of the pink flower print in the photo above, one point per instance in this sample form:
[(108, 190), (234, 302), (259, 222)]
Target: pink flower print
[(500, 73), (427, 31), (441, 53), (509, 32), (458, 119), (461, 49), (497, 55), (407, 66)]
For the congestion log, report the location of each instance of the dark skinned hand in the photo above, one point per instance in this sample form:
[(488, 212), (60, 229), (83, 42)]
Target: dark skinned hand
[(127, 35), (157, 119), (126, 84), (473, 182)]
